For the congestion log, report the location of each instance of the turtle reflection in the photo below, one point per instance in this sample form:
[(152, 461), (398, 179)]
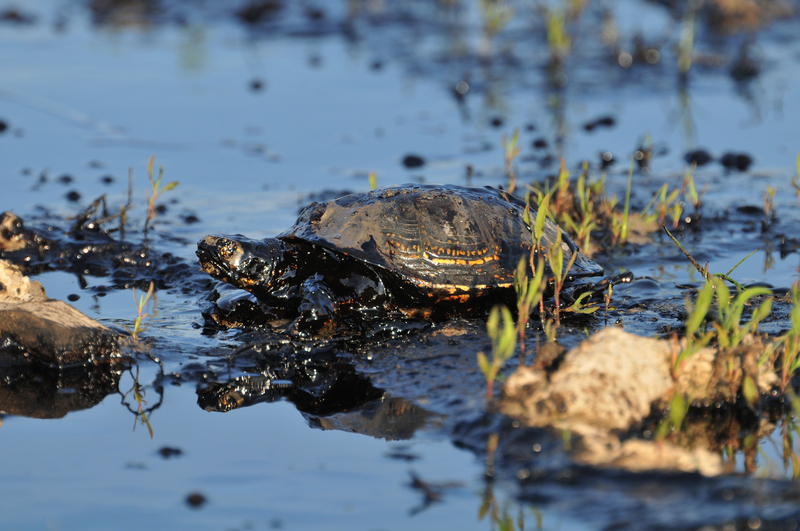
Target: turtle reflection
[(331, 395)]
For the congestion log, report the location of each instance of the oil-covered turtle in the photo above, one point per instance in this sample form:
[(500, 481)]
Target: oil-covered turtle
[(414, 250)]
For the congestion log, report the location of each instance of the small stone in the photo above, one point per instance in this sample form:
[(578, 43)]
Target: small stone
[(413, 161), (540, 143), (257, 85), (700, 157), (195, 500), (167, 452)]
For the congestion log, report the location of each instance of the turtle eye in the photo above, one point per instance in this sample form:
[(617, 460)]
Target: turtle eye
[(230, 251)]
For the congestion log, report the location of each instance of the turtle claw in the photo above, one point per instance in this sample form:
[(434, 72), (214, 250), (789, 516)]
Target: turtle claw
[(307, 327), (318, 316)]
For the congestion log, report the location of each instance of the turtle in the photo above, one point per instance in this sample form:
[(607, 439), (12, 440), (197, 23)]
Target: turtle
[(416, 251)]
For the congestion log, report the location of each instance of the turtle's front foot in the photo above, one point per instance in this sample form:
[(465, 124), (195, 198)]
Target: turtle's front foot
[(318, 316), (303, 328)]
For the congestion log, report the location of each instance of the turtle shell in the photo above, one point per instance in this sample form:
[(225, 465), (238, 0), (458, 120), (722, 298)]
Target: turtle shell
[(451, 238)]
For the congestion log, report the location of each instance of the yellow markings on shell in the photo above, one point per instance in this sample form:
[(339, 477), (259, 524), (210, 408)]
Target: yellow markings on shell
[(460, 261), (458, 289)]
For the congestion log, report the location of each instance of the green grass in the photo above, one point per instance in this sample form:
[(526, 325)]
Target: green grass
[(686, 43), (141, 304), (724, 325), (502, 332), (511, 151), (155, 191)]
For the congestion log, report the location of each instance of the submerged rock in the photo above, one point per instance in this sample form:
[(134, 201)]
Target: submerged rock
[(34, 327)]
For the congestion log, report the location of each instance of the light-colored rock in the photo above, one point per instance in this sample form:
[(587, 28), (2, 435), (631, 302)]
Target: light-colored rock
[(609, 381), (48, 330), (612, 381)]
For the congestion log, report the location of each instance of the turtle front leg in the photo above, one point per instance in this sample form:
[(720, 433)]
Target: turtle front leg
[(318, 312)]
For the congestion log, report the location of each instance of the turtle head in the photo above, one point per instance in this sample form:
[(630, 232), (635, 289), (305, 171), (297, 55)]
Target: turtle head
[(247, 264)]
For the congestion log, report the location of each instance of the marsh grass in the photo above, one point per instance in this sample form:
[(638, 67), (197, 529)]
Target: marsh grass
[(582, 228), (770, 214), (789, 430), (721, 323), (690, 191), (495, 16), (502, 333), (596, 220), (724, 325), (511, 151), (789, 342), (686, 43), (529, 295), (141, 305), (559, 42), (156, 189), (796, 179)]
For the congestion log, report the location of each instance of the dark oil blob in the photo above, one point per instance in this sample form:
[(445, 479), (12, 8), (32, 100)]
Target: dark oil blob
[(413, 161)]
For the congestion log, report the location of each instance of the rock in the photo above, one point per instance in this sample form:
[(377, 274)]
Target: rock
[(611, 382), (34, 327)]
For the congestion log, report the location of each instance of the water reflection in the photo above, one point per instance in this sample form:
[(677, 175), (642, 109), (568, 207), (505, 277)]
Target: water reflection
[(46, 393), (329, 393)]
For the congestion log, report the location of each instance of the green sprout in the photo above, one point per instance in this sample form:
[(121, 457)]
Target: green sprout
[(495, 16), (790, 341), (696, 339), (373, 180), (663, 203), (504, 342), (729, 331), (620, 226), (582, 230), (769, 206), (726, 326), (155, 191), (141, 303), (529, 294), (690, 192), (704, 270), (686, 43), (796, 179), (789, 429), (555, 255), (511, 150), (558, 39)]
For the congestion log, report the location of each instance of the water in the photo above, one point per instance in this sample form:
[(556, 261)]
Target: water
[(93, 100)]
